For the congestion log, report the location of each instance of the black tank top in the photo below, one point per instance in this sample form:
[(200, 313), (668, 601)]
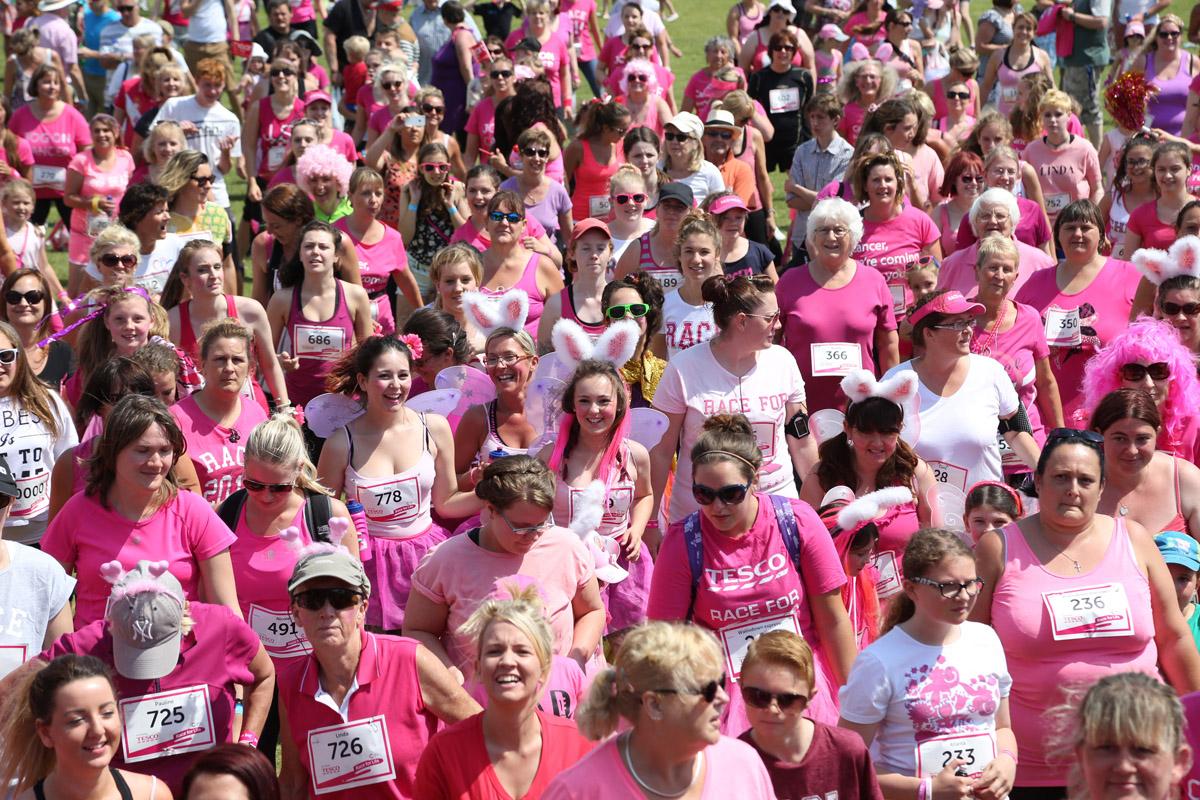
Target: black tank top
[(118, 779)]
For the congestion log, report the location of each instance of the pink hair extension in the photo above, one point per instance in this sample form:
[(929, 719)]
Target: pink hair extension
[(321, 159), (641, 66), (1149, 341)]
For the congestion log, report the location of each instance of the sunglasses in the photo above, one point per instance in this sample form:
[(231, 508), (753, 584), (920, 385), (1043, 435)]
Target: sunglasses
[(32, 297), (1136, 373), (622, 199), (676, 137), (535, 152), (511, 217), (259, 486), (708, 691), (770, 318), (433, 110), (8, 356), (339, 598), (1074, 436), (500, 74), (1169, 309), (730, 495), (1169, 34), (957, 327), (527, 531), (205, 180), (111, 260), (391, 86), (282, 73), (640, 46), (761, 698), (719, 134), (429, 166), (125, 9), (952, 588), (638, 78), (634, 310), (783, 48), (958, 95)]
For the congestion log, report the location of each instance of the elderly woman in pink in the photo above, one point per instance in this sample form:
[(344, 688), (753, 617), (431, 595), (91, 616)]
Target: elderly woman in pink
[(994, 213), (640, 93), (324, 174)]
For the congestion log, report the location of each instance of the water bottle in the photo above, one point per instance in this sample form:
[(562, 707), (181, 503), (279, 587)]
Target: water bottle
[(359, 517), (497, 453)]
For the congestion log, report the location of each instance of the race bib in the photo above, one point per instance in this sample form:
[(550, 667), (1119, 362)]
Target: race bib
[(275, 156), (1057, 202), (975, 750), (669, 279), (319, 341), (945, 472), (889, 574), (1008, 456), (1062, 328), (391, 500), (11, 657), (899, 298), (599, 206), (166, 724), (736, 641), (1092, 612), (1008, 94), (783, 101), (97, 223), (281, 637), (835, 358), (49, 177), (33, 484), (350, 755), (616, 509)]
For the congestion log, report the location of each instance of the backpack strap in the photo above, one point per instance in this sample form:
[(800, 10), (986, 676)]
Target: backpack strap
[(695, 555), (317, 512), (230, 511), (785, 518)]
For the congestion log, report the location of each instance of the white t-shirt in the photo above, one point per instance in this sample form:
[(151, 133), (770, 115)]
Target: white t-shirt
[(31, 451), (686, 325), (212, 125), (207, 25), (651, 20), (704, 181), (33, 589), (695, 385), (115, 37), (958, 433), (919, 693), (153, 269)]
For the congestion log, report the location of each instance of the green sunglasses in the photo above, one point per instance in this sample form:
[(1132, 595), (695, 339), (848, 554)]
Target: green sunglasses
[(628, 310)]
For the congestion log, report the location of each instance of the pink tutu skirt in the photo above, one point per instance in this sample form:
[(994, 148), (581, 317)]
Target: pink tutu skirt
[(626, 601), (390, 568)]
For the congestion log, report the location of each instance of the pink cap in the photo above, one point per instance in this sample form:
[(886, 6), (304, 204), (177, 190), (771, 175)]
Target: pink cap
[(726, 202), (1135, 28), (951, 302), (831, 31), (316, 97), (589, 224)]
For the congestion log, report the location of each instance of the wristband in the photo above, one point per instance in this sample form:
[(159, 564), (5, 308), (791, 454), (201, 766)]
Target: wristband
[(95, 203), (1010, 754), (454, 212), (63, 297), (248, 738), (412, 206), (237, 707), (925, 790)]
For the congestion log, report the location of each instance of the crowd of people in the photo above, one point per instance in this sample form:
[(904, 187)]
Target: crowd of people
[(515, 437)]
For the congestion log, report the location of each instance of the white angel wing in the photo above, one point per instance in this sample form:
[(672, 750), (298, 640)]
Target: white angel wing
[(327, 412), (647, 426), (826, 423), (474, 386), (604, 553), (953, 503), (437, 401)]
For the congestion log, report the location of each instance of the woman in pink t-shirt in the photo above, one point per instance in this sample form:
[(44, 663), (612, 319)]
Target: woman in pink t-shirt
[(96, 182), (905, 125), (481, 124), (56, 132), (1068, 166), (795, 574), (1169, 167), (133, 510), (863, 84), (667, 689), (1075, 595), (962, 184), (553, 33)]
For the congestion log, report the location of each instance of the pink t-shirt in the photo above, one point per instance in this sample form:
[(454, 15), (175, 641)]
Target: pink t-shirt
[(1144, 221), (377, 262), (366, 99), (344, 144), (482, 123), (85, 535), (461, 574), (580, 13), (54, 144), (927, 167), (109, 183), (892, 246), (861, 19), (1191, 702), (1066, 173), (554, 58), (24, 156), (733, 772), (1018, 350), (958, 271), (218, 452), (1033, 229), (818, 322), (1098, 313)]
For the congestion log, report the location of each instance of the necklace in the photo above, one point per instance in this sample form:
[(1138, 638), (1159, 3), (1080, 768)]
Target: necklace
[(985, 348), (624, 747)]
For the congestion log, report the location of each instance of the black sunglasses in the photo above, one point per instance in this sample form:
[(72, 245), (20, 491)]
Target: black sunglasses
[(1171, 309), (282, 73), (783, 48), (958, 95), (431, 109), (719, 134), (1136, 373), (259, 486), (1059, 435), (125, 9), (1169, 34), (338, 597), (535, 152), (204, 180), (708, 691), (761, 698), (32, 297), (675, 137), (634, 310), (499, 74), (730, 495)]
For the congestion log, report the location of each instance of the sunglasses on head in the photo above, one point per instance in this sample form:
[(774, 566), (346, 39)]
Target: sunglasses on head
[(708, 691), (500, 74), (338, 597), (761, 698), (433, 110), (111, 260), (634, 310), (259, 486), (671, 136), (535, 152), (429, 166), (730, 495), (1074, 436), (1135, 373), (638, 197), (719, 133), (1171, 309), (8, 356), (32, 297), (282, 73), (511, 217)]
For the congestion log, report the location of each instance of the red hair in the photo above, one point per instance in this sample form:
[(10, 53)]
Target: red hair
[(962, 161)]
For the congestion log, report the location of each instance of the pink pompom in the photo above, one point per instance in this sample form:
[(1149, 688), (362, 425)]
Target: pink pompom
[(112, 571)]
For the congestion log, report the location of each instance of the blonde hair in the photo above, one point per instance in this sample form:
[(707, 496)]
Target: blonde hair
[(997, 246), (225, 328), (524, 611), (278, 441), (457, 253), (357, 46), (17, 185), (627, 175), (782, 649), (115, 235), (159, 131), (653, 656), (521, 337), (1055, 99)]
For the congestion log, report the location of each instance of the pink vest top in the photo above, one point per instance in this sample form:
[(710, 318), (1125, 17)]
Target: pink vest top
[(317, 343), (397, 506), (617, 503), (527, 284)]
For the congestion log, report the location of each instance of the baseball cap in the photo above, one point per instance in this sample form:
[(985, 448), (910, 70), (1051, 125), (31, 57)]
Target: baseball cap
[(257, 51), (951, 302), (687, 122), (305, 38), (726, 202), (8, 484), (145, 619), (317, 97), (330, 563), (589, 224), (1135, 28), (529, 43), (720, 118), (831, 31), (680, 192), (786, 5), (1179, 548)]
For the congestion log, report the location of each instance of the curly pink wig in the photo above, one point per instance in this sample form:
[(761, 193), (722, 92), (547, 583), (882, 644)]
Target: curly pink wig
[(321, 159), (1147, 341), (639, 66)]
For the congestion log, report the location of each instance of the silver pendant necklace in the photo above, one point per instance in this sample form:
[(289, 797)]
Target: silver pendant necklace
[(624, 746)]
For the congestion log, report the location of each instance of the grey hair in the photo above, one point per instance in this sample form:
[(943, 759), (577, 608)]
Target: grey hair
[(996, 197), (835, 209), (721, 41)]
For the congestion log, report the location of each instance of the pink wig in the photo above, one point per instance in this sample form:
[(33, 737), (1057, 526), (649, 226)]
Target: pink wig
[(639, 66), (321, 159), (1148, 341)]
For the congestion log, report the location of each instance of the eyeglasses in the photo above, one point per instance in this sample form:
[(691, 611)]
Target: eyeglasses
[(1136, 163), (958, 327), (761, 698), (1169, 34), (638, 78), (32, 297), (282, 73), (708, 691), (391, 86), (8, 356), (273, 488), (902, 24), (1169, 309), (433, 110), (1136, 373), (635, 310), (430, 166), (500, 74), (204, 180), (536, 152), (770, 318), (719, 134), (958, 95), (511, 217), (676, 137), (530, 530), (338, 597), (111, 260), (730, 495), (952, 588), (839, 233), (491, 362), (622, 199), (783, 48)]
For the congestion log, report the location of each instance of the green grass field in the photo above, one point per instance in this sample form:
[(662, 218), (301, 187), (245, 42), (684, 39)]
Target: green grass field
[(699, 19)]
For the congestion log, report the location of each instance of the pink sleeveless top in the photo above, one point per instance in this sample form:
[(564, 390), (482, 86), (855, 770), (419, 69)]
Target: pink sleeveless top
[(895, 529), (317, 343), (397, 506), (274, 135), (1054, 637), (590, 198), (746, 23), (617, 503), (527, 284), (665, 274), (1008, 79), (568, 312)]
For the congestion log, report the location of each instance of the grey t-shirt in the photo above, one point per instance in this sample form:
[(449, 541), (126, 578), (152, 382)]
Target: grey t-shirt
[(33, 589)]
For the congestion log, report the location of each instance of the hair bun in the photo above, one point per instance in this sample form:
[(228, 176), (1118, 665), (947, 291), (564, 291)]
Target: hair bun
[(715, 290), (729, 423)]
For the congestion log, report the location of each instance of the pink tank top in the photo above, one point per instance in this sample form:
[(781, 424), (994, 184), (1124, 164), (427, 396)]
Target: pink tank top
[(895, 529), (187, 336), (317, 343), (746, 23), (1048, 625), (397, 506), (747, 157), (665, 274), (527, 284), (590, 198), (568, 312), (618, 501), (1008, 79), (274, 135)]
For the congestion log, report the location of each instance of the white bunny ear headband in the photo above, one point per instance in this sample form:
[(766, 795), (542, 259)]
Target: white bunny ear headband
[(616, 345), (1160, 265), (872, 506), (490, 313), (901, 388)]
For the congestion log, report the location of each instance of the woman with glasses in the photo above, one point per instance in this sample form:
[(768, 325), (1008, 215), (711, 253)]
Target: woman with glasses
[(683, 157), (1152, 224), (931, 695), (517, 537), (907, 58), (96, 180), (641, 94), (1007, 65), (1132, 187), (510, 263), (266, 130), (432, 207), (542, 198), (594, 155), (482, 184), (959, 120), (628, 198), (1075, 595), (27, 307), (655, 252), (755, 53), (1002, 169), (1085, 301), (388, 694), (665, 692), (963, 183), (740, 529), (392, 91), (639, 297), (1176, 289), (783, 89), (188, 178), (995, 212), (1170, 69), (481, 124)]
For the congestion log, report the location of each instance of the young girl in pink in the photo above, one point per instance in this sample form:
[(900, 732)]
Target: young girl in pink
[(1068, 166)]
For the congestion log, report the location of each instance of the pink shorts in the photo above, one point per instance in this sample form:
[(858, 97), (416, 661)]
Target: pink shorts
[(390, 569)]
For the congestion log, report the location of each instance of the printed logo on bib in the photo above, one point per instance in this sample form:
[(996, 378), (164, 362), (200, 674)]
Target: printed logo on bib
[(783, 101), (319, 341), (945, 472), (889, 574), (1008, 94), (1091, 612), (11, 657), (669, 279), (899, 299), (278, 632), (1062, 327), (97, 223), (49, 177), (835, 358), (735, 641), (350, 755), (974, 750), (166, 724), (616, 509), (397, 500)]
